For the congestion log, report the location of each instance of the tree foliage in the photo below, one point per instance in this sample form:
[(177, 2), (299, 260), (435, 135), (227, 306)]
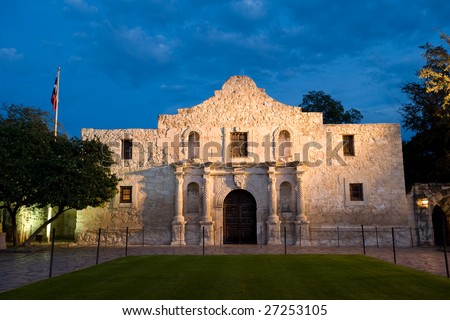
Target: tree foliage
[(437, 71), (40, 170), (333, 111), (24, 144), (75, 175), (427, 154)]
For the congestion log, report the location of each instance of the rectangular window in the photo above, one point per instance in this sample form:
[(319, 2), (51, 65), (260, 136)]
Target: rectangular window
[(356, 192), (126, 194), (127, 149), (239, 144), (349, 145)]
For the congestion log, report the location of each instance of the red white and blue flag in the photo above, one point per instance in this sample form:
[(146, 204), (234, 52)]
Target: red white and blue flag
[(54, 98)]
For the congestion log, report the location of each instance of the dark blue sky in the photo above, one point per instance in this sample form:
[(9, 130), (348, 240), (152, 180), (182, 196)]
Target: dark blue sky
[(123, 62)]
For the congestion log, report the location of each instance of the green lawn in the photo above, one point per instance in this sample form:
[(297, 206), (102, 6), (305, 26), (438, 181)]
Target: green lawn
[(240, 277)]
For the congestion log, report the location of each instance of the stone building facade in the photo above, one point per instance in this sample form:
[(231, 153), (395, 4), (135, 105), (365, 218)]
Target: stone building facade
[(431, 203), (242, 167)]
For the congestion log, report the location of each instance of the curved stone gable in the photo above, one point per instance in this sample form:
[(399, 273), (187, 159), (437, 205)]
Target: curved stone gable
[(240, 85), (239, 101)]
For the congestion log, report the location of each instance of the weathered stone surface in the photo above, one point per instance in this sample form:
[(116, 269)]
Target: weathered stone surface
[(430, 218), (314, 149)]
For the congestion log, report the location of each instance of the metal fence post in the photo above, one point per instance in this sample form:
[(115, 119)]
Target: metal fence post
[(376, 236), (417, 236), (98, 244), (203, 239), (51, 255), (285, 241), (444, 234), (363, 240), (411, 235), (143, 236), (126, 243), (393, 246)]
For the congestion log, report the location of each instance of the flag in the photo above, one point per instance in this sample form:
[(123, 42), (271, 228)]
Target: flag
[(55, 97)]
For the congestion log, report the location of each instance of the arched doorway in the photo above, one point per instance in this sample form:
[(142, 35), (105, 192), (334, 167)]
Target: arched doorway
[(239, 218), (440, 225)]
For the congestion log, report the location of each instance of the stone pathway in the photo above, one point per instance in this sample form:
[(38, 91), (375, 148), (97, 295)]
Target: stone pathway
[(17, 269)]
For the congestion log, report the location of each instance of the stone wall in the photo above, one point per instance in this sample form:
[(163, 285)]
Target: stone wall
[(313, 148), (378, 164), (435, 195)]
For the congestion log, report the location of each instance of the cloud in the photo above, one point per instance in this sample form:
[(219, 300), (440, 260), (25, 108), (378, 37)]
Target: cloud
[(156, 40), (251, 9), (80, 6), (172, 87), (74, 59), (130, 55), (10, 54), (139, 44)]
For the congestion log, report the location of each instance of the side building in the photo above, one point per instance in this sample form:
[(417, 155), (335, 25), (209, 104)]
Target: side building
[(243, 168)]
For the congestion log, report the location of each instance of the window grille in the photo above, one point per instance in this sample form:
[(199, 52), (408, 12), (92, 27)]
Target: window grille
[(356, 192), (127, 149), (239, 144), (349, 145), (126, 194)]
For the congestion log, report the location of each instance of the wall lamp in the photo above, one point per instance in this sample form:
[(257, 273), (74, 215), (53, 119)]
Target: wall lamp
[(422, 202)]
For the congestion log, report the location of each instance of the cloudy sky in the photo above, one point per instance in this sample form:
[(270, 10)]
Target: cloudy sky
[(123, 62)]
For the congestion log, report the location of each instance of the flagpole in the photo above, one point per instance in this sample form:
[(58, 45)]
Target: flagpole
[(57, 101), (56, 108)]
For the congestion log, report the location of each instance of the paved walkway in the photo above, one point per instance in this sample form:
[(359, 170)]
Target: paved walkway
[(19, 268)]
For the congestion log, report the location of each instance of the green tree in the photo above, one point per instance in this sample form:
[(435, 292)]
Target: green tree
[(41, 170), (75, 175), (333, 111), (24, 143), (427, 154), (437, 71)]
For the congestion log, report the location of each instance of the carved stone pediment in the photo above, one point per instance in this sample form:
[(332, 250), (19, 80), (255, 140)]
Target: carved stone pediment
[(239, 181)]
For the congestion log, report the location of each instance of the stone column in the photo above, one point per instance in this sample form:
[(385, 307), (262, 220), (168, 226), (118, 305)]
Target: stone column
[(226, 142), (206, 220), (273, 223), (301, 221), (178, 220), (301, 216)]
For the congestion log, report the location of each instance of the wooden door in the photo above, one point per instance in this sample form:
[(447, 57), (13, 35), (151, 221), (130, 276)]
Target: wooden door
[(239, 218)]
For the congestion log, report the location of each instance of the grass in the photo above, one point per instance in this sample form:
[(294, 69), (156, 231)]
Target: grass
[(269, 277)]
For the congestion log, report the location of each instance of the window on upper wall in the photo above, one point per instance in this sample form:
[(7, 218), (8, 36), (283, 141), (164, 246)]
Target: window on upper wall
[(349, 145), (284, 144), (194, 145), (126, 194), (356, 192), (127, 149), (239, 144)]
